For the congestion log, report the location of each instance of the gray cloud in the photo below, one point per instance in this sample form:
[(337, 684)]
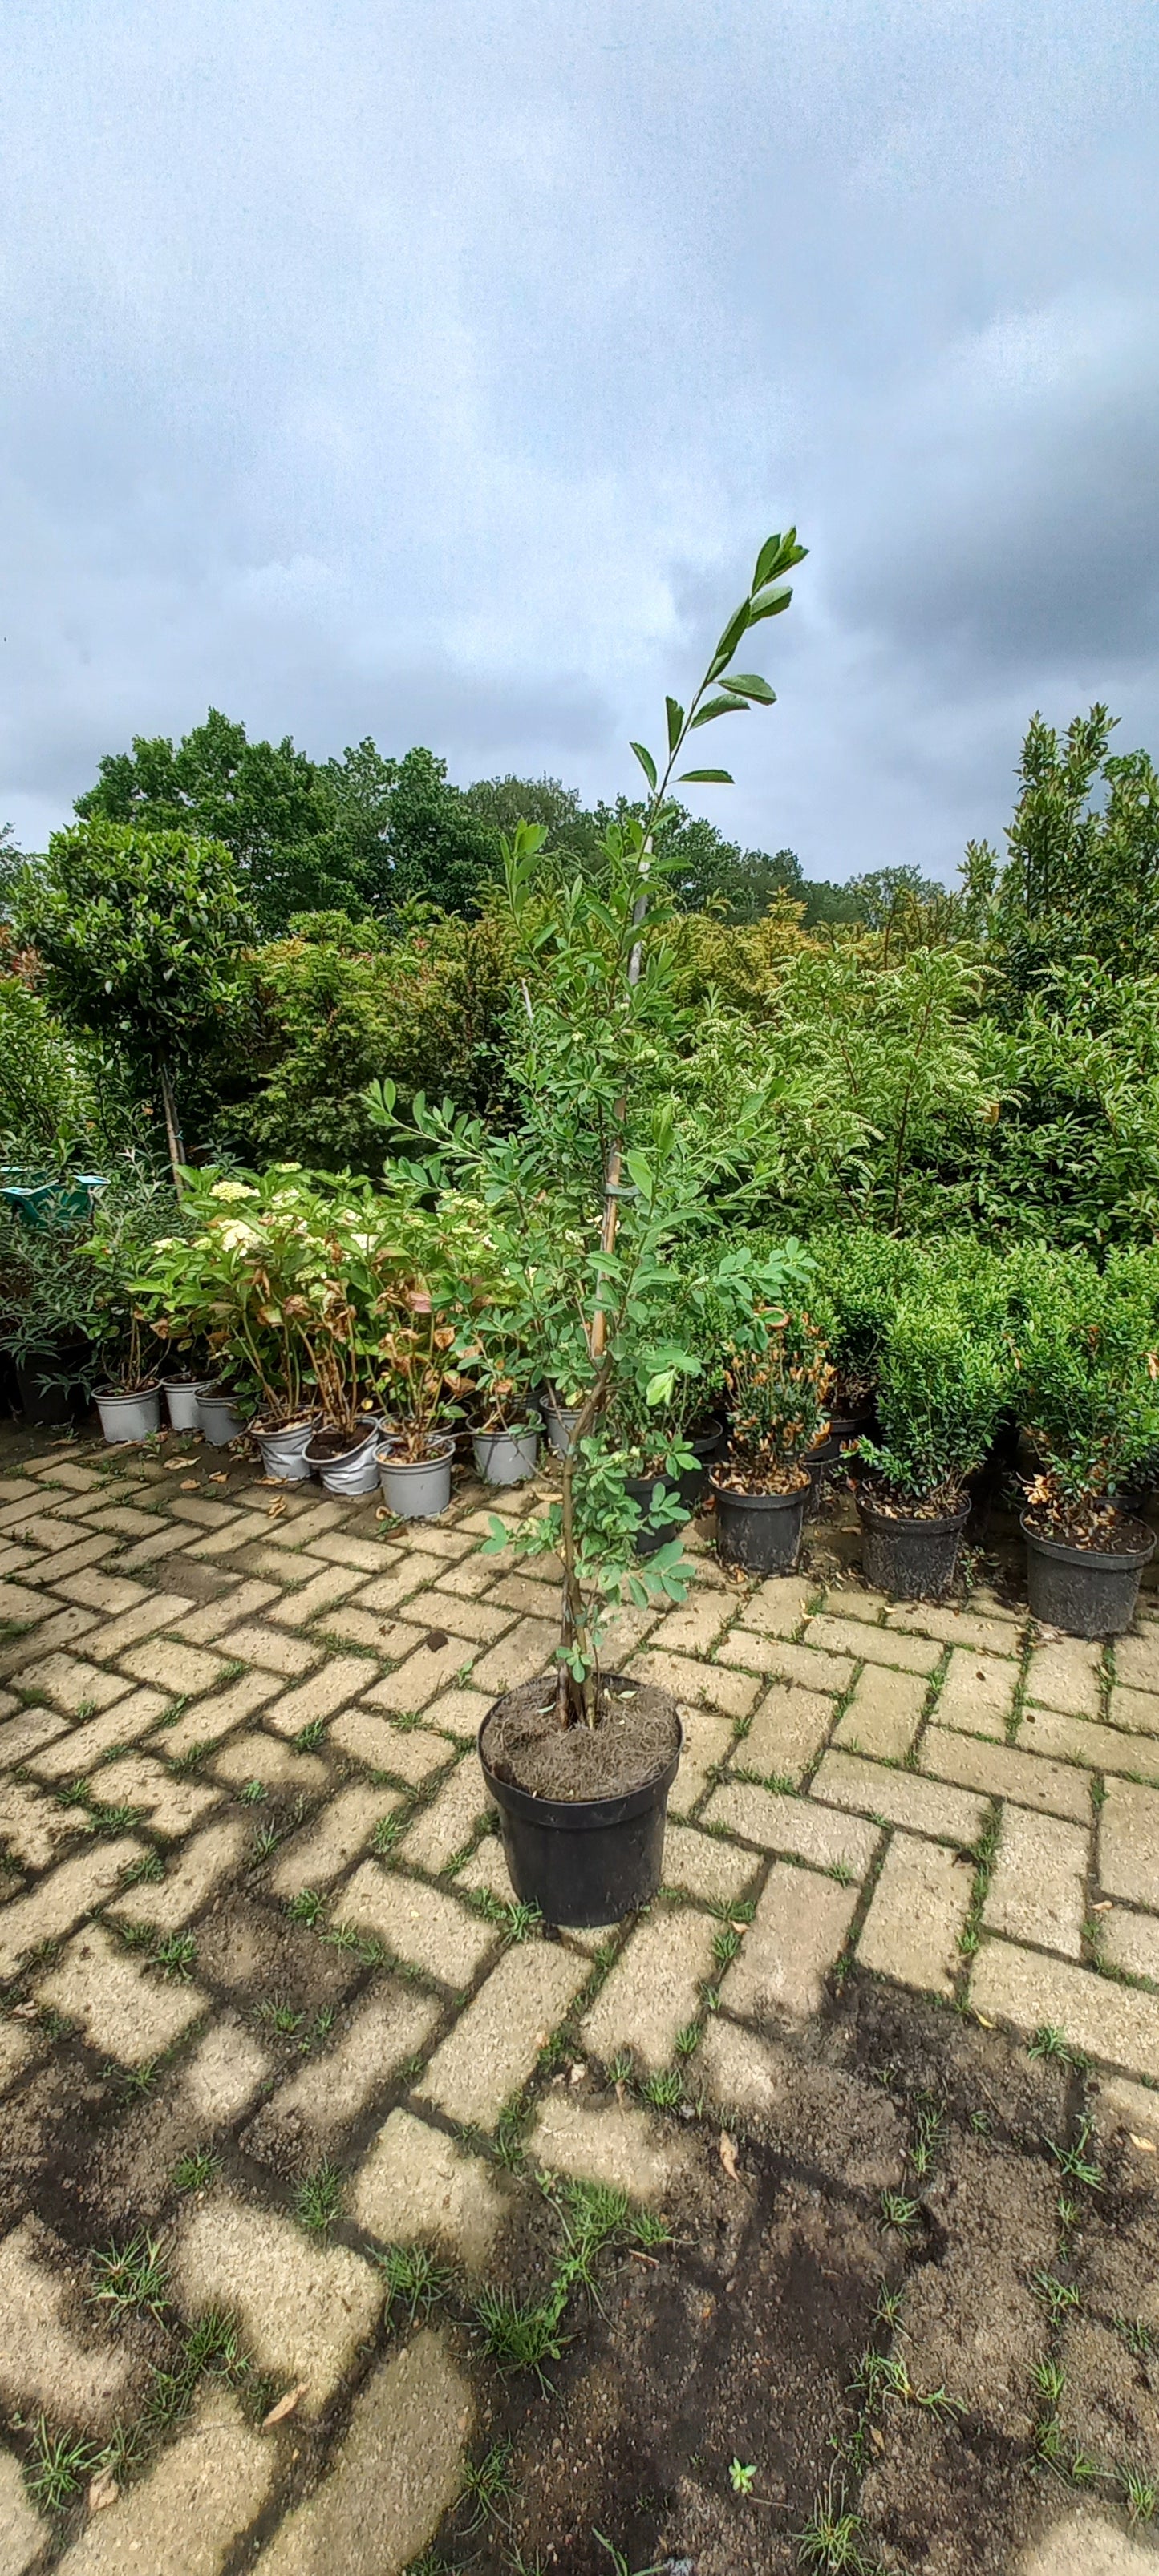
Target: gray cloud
[(434, 373)]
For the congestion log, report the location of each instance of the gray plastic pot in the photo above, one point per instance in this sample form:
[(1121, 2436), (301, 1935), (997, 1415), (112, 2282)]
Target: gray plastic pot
[(181, 1401), (909, 1559), (130, 1417), (560, 1421), (283, 1451), (346, 1471), (420, 1490), (1083, 1590), (507, 1457), (219, 1419), (762, 1532)]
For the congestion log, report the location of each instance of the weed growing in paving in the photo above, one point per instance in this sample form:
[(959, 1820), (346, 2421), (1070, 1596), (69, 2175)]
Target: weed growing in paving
[(196, 2171), (56, 2465), (1075, 2162), (387, 1833), (647, 2230), (188, 1761), (985, 1854), (264, 1845), (132, 2276), (319, 2199), (488, 2487), (308, 1738), (740, 2476), (1059, 2297), (832, 2540), (176, 1955), (1051, 2379), (415, 2277), (306, 1907), (620, 2565), (520, 2334), (280, 2016), (897, 2211), (143, 1872), (1140, 2494), (1049, 2042), (663, 2091), (253, 1793)]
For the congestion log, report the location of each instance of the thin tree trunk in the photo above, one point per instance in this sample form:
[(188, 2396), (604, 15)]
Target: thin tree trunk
[(615, 1161), (172, 1123)]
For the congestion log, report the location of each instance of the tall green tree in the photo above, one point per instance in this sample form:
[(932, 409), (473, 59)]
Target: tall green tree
[(1081, 881), (139, 932)]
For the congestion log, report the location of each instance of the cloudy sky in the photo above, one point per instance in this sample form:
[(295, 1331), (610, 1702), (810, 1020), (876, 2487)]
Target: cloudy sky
[(432, 369)]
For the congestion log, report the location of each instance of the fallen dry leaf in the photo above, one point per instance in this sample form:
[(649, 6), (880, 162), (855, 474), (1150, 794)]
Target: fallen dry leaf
[(1106, 1905), (727, 2153), (102, 2491), (285, 2406), (219, 1480), (25, 2012), (275, 1511), (877, 2437), (190, 1484), (1146, 2146), (984, 2019)]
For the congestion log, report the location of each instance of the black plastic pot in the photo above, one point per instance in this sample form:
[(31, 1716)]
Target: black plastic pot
[(820, 1463), (582, 1860), (762, 1532), (48, 1390), (1084, 1590), (691, 1488), (911, 1560)]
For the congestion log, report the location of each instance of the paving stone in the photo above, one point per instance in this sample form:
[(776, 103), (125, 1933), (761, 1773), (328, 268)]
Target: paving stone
[(185, 2516), (707, 1739), (157, 1610), (525, 1651), (786, 1733), (705, 1866), (416, 2187), (54, 1536), (1131, 1941), (70, 1684), (1128, 2111), (277, 1650), (70, 1755), (797, 1933), (1128, 1856), (733, 1693), (977, 1694), (1107, 2020), (252, 1534), (163, 1542), (493, 2047), (321, 1593), (339, 1547), (387, 2028), (171, 1805), (127, 1519), (32, 1826), (958, 1628), (15, 1559), (875, 1645), (51, 2356), (181, 1671), (903, 1797), (206, 1859), (1004, 1771), (23, 2532), (1065, 1675), (211, 1619), (486, 1872), (305, 2308), (1037, 1887), (808, 1665), (694, 1628), (459, 1713), (224, 2073), (409, 1753), (1137, 1660), (779, 1605), (884, 1713), (916, 1916), (414, 1573), (68, 1472), (201, 1510), (63, 1629), (20, 1736), (450, 1820), (17, 2051), (19, 1603), (538, 1598), (653, 1991), (1082, 1739), (396, 2472), (473, 1576), (211, 1718), (479, 1622), (341, 1830), (1136, 1709), (862, 1603), (418, 1924), (798, 1826), (425, 1671), (122, 2010), (58, 1902), (264, 1757), (336, 1682), (608, 2142), (111, 1594), (1083, 2542)]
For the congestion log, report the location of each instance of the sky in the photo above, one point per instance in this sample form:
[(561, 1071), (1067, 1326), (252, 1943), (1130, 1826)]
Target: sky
[(432, 369)]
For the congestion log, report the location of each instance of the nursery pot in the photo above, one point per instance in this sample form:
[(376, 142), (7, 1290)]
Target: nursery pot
[(130, 1417), (692, 1486), (283, 1452), (418, 1491), (1086, 1591), (582, 1860), (182, 1396), (345, 1461), (560, 1421), (908, 1558), (507, 1457), (218, 1418), (761, 1532), (826, 1454), (43, 1383)]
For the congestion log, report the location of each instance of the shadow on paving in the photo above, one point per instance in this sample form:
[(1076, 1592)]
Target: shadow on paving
[(932, 2395)]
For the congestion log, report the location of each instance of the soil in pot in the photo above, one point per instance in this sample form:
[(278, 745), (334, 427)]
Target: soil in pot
[(910, 1555), (582, 1809), (1089, 1590), (326, 1445)]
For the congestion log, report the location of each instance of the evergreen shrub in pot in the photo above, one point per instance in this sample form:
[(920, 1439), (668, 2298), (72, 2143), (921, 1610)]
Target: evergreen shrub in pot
[(779, 1381), (942, 1382), (1089, 1379)]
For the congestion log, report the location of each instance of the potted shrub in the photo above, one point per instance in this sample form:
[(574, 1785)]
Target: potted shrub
[(493, 1352), (942, 1384), (1088, 1371), (580, 1759), (779, 1380), (421, 1376), (859, 1276)]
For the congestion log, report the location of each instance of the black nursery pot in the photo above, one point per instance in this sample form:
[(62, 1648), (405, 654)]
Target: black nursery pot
[(705, 1444), (1085, 1591), (911, 1560), (582, 1860), (49, 1393), (761, 1532)]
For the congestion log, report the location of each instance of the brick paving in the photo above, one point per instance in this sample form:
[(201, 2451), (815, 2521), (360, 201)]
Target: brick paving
[(242, 1722)]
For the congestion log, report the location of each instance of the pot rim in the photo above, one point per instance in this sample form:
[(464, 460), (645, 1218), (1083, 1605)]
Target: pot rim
[(188, 1385), (445, 1441), (766, 1502), (1066, 1552), (580, 1815), (334, 1457), (282, 1430), (911, 1524), (510, 1431), (125, 1394)]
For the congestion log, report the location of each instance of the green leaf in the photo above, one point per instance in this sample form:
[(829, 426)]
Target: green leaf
[(706, 778), (731, 636), (647, 763), (749, 684), (717, 707), (769, 562), (675, 721), (770, 605)]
